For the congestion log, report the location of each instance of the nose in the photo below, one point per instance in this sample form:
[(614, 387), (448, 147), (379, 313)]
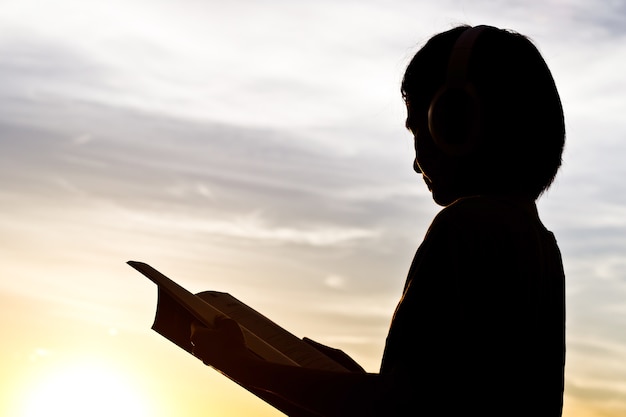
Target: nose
[(416, 167)]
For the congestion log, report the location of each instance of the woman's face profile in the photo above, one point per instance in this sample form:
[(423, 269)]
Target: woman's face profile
[(440, 171)]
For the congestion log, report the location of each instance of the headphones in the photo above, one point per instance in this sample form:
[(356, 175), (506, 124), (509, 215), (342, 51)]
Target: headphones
[(455, 113)]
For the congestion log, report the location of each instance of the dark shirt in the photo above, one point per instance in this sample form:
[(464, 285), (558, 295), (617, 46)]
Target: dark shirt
[(480, 327)]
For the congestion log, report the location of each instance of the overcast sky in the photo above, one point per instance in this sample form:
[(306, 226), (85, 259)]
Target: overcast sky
[(257, 147)]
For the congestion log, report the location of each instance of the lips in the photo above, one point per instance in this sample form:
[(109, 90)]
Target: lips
[(428, 182)]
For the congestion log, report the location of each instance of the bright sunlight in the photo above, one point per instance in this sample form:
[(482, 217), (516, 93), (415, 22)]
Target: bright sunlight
[(84, 390)]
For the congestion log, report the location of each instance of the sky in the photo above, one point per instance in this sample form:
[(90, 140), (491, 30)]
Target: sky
[(257, 148)]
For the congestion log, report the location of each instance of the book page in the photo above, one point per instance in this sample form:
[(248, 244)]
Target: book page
[(271, 333)]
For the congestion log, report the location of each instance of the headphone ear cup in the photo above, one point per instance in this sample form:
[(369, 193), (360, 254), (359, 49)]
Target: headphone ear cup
[(454, 119)]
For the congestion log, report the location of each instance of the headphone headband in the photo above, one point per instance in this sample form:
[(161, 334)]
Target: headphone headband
[(458, 64), (455, 114)]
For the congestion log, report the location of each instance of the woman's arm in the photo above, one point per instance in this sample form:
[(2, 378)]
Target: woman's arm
[(325, 393)]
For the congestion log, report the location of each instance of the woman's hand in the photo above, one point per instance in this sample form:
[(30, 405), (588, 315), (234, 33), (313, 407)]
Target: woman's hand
[(222, 347), (296, 390), (337, 355)]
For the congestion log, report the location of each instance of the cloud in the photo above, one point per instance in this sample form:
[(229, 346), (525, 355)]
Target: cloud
[(255, 228), (201, 165), (336, 282), (83, 139)]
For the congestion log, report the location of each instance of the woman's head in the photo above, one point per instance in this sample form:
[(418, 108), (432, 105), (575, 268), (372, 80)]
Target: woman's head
[(520, 134)]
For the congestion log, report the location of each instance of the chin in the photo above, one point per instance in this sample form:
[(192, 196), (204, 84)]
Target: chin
[(442, 202), (441, 197), (444, 199)]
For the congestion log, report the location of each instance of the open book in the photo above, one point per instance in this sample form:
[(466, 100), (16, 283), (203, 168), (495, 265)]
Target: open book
[(177, 308)]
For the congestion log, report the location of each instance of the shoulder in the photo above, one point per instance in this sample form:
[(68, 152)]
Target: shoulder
[(476, 227)]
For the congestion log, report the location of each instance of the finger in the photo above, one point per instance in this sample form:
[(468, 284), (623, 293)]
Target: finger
[(232, 332), (195, 326), (198, 332), (200, 342), (222, 321), (226, 324)]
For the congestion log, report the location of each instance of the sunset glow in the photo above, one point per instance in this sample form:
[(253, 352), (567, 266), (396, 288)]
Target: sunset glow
[(80, 389)]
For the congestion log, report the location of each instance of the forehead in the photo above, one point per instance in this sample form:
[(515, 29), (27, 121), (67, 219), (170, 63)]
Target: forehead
[(415, 115)]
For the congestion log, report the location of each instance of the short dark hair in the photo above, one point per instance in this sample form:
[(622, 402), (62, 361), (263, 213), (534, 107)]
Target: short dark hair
[(523, 128)]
